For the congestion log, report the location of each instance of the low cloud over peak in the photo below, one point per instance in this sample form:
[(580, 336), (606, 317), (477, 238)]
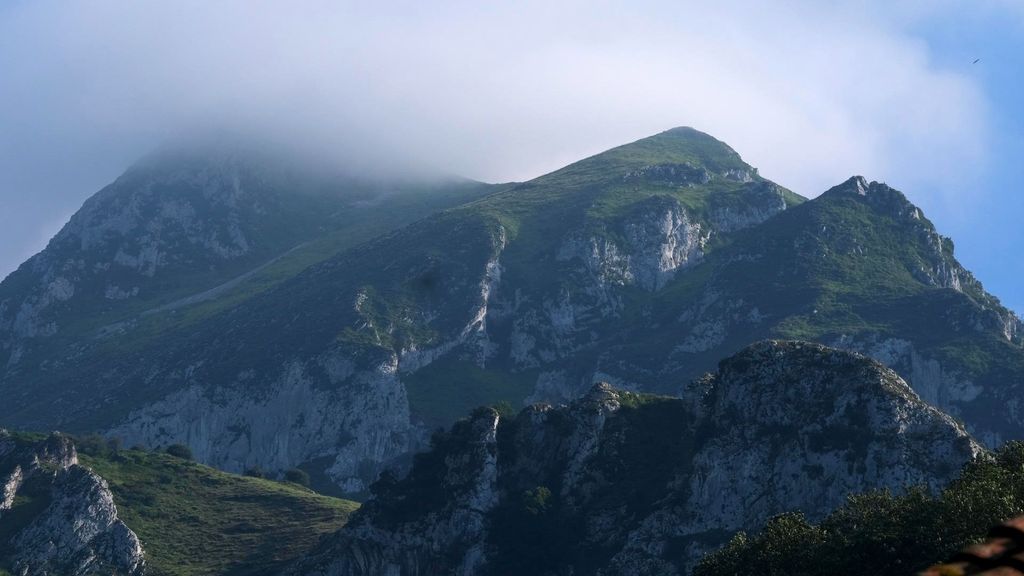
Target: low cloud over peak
[(494, 92)]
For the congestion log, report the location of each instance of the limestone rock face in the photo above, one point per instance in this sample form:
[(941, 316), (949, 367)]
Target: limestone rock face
[(149, 225), (355, 429), (179, 229), (620, 483), (448, 531), (799, 426), (77, 532)]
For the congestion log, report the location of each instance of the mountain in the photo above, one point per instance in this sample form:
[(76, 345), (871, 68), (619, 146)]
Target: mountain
[(106, 510), (625, 483), (185, 226), (641, 266), (859, 268), (317, 355)]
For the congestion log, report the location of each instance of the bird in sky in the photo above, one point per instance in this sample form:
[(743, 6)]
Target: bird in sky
[(976, 61)]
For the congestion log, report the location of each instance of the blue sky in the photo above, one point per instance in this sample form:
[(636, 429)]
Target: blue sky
[(985, 218), (808, 91)]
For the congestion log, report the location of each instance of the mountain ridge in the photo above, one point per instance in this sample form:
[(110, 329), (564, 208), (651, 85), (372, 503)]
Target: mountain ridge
[(622, 483), (642, 266)]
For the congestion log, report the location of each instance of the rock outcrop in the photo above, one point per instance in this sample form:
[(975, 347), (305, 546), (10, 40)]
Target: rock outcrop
[(619, 483), (66, 522), (433, 522)]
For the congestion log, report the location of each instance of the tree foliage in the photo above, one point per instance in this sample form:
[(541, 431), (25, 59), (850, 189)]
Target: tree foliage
[(179, 451), (880, 533), (297, 476)]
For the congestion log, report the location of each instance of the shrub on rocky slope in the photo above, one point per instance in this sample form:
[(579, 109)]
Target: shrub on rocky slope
[(881, 533)]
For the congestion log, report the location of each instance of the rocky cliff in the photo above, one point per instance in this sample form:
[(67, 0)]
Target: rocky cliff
[(57, 517), (859, 268), (621, 483), (173, 223)]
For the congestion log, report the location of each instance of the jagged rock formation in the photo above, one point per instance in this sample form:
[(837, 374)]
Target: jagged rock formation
[(859, 268), (620, 483), (294, 419), (443, 530), (642, 266), (180, 227), (59, 517)]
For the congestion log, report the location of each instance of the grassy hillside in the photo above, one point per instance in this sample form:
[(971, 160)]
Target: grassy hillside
[(194, 520)]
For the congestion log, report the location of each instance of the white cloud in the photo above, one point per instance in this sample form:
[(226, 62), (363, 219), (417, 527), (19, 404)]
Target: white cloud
[(809, 93)]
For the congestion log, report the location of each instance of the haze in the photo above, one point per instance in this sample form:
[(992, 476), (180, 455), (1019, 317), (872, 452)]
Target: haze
[(809, 94)]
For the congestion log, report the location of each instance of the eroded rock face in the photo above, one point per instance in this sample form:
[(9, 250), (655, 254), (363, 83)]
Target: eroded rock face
[(760, 204), (656, 241), (671, 173), (355, 425), (798, 426), (934, 383), (446, 534), (340, 402), (659, 239), (78, 531), (619, 483), (941, 384), (149, 222)]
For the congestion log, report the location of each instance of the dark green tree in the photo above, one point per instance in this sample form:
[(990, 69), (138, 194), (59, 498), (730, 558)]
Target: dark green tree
[(179, 451), (297, 476)]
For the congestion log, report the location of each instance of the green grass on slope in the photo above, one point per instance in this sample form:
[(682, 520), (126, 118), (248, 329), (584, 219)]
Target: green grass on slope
[(448, 389), (194, 520), (402, 210)]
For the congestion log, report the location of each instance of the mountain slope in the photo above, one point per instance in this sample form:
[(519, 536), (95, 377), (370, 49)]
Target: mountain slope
[(192, 519), (621, 483), (107, 510), (859, 268), (185, 226), (333, 347), (641, 266)]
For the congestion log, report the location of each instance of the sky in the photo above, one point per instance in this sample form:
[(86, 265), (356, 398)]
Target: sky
[(810, 92)]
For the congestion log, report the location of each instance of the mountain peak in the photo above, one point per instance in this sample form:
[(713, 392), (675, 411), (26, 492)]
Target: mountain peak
[(687, 132), (688, 142), (878, 195), (858, 185), (682, 153)]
